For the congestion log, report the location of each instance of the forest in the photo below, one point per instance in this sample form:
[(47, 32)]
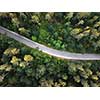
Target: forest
[(22, 66)]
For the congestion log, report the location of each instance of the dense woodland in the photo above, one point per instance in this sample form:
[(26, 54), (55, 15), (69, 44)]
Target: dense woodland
[(73, 32)]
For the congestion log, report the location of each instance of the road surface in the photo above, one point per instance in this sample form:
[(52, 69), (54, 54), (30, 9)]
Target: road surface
[(45, 49)]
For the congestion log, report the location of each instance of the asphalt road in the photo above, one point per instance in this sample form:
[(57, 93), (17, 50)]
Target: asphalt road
[(45, 49)]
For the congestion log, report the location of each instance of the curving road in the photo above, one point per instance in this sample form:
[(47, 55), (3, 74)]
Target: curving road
[(45, 49)]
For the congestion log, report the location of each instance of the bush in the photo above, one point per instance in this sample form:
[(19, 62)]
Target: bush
[(74, 32)]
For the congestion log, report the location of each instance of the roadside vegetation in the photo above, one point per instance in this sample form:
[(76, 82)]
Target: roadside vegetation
[(74, 32)]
